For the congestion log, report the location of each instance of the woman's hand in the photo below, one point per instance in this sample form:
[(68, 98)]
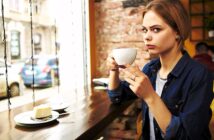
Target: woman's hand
[(111, 64), (114, 73), (139, 82)]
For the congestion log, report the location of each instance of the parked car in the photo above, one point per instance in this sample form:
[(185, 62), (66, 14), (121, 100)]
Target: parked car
[(45, 71), (14, 80)]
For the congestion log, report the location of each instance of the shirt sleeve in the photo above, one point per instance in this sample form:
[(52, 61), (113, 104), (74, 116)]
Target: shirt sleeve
[(121, 93), (115, 95), (194, 118)]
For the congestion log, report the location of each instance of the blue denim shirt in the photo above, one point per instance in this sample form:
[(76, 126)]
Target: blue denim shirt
[(187, 94)]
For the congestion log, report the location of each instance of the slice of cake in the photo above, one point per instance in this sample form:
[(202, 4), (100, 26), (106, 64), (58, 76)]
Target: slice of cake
[(42, 111)]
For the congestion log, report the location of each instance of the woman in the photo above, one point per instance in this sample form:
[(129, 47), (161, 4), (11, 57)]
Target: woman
[(176, 91)]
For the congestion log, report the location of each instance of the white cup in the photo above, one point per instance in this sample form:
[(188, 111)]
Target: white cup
[(124, 56)]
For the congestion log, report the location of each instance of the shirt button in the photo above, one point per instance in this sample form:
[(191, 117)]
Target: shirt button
[(176, 106), (156, 129)]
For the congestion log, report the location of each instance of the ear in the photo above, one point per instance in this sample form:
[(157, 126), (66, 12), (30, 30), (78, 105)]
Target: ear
[(177, 37)]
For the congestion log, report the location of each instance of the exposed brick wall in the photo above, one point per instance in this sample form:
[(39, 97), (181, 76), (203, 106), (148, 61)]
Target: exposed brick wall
[(116, 27)]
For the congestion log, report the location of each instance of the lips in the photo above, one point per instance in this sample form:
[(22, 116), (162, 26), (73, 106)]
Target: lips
[(150, 46)]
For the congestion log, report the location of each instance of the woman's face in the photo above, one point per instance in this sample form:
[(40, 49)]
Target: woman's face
[(158, 36)]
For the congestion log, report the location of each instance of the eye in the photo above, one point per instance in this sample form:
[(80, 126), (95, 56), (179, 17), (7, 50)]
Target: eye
[(156, 30), (144, 30)]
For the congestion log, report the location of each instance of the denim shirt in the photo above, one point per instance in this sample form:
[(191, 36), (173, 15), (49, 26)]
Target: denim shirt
[(187, 94)]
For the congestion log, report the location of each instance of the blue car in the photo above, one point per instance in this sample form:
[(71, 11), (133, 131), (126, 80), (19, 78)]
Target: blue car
[(45, 71)]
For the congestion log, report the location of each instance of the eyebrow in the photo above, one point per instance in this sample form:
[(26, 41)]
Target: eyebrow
[(153, 26)]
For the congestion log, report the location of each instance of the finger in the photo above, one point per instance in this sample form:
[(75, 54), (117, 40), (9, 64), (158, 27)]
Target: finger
[(127, 65), (134, 70), (127, 73), (114, 67), (129, 80), (111, 59), (138, 72), (132, 88)]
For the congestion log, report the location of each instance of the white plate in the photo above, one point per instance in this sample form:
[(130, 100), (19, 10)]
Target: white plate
[(25, 118), (59, 106)]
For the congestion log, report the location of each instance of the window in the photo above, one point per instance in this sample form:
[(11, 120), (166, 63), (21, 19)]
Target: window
[(201, 12), (15, 44), (55, 25), (36, 7), (14, 5)]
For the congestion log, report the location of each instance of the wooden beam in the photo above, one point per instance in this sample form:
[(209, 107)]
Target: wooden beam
[(92, 39)]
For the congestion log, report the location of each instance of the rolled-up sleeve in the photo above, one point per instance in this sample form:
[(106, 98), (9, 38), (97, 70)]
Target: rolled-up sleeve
[(121, 93), (173, 127), (115, 95)]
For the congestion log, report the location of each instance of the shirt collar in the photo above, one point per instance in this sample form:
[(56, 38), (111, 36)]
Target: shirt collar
[(179, 67), (177, 70)]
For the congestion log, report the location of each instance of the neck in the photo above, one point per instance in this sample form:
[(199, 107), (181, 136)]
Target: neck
[(168, 62)]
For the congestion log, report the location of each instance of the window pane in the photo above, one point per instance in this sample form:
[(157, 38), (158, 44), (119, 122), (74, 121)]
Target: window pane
[(55, 40)]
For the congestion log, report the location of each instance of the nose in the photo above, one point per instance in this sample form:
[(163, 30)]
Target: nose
[(147, 36)]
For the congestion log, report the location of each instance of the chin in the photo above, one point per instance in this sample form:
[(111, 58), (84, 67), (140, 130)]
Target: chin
[(153, 53)]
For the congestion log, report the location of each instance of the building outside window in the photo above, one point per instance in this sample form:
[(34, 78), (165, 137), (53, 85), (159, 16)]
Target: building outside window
[(15, 45)]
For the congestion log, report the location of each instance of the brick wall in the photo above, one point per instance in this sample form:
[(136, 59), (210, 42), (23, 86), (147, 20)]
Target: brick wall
[(116, 27)]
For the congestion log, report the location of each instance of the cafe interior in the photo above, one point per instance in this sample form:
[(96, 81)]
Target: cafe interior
[(87, 112)]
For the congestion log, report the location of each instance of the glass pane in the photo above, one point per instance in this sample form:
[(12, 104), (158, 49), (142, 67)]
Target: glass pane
[(196, 21), (209, 7), (197, 34), (51, 41), (196, 8)]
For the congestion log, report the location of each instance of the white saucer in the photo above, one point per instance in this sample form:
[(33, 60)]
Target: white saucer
[(59, 106), (25, 118)]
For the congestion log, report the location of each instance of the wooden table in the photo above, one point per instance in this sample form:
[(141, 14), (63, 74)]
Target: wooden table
[(90, 113)]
